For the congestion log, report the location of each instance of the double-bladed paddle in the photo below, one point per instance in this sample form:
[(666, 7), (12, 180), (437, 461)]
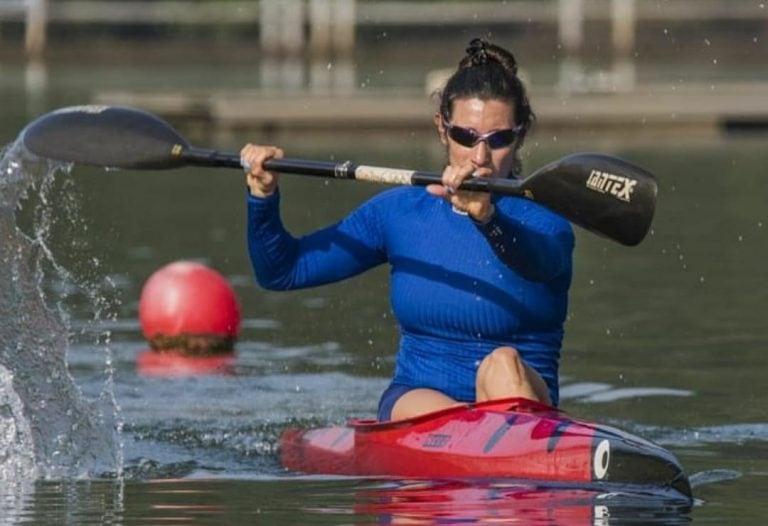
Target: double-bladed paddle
[(601, 193)]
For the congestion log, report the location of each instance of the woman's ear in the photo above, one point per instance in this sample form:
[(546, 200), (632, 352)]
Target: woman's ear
[(440, 128)]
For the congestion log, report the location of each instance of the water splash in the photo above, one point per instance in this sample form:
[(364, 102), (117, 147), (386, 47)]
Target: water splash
[(47, 428)]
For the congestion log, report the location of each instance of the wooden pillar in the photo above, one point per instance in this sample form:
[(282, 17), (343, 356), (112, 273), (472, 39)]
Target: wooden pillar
[(623, 36), (34, 37), (281, 34), (320, 15), (332, 27), (281, 26), (344, 25), (570, 18), (623, 26)]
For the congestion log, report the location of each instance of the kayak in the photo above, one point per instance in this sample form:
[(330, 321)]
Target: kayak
[(511, 438)]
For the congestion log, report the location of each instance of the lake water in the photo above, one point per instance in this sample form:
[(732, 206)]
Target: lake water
[(666, 340)]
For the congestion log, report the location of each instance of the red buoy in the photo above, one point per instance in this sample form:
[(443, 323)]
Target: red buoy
[(189, 308)]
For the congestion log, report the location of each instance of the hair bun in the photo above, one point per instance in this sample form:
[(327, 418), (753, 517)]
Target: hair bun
[(477, 52)]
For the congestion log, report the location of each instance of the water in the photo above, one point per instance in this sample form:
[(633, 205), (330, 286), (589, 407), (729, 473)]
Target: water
[(49, 429), (666, 340)]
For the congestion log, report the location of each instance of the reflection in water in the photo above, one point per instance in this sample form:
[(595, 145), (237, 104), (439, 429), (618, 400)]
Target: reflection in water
[(62, 502), (601, 392), (427, 502), (280, 500), (48, 429)]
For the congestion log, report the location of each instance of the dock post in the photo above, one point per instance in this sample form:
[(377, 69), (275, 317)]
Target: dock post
[(623, 36), (331, 42), (320, 16), (332, 25), (36, 21), (344, 25), (281, 37), (281, 26), (570, 24), (344, 34)]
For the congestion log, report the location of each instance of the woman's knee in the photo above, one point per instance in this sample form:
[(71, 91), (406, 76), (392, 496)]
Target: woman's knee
[(505, 360), (503, 373)]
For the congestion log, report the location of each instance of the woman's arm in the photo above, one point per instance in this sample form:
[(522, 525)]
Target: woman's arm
[(282, 262)]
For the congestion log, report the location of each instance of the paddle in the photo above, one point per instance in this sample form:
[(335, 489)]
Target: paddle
[(601, 193)]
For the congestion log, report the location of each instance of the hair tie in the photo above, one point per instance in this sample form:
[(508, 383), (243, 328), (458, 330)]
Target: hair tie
[(477, 52)]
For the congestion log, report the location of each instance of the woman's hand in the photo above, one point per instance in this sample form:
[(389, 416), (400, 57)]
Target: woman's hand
[(260, 182), (477, 204)]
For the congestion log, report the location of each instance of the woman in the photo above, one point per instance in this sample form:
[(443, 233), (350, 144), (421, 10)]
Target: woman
[(479, 282)]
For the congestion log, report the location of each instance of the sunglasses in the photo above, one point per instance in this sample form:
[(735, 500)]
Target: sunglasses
[(495, 139)]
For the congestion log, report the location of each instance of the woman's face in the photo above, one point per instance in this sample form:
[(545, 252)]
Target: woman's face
[(482, 116)]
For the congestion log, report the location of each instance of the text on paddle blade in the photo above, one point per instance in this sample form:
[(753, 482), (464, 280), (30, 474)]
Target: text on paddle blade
[(607, 183)]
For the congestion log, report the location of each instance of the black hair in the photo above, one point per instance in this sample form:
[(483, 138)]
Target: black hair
[(489, 72)]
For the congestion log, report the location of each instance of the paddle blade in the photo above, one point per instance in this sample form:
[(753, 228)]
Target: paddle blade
[(604, 194), (110, 136)]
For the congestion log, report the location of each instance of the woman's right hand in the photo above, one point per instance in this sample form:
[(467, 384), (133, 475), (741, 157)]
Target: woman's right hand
[(260, 182)]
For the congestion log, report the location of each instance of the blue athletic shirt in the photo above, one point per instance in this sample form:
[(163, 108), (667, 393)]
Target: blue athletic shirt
[(458, 289)]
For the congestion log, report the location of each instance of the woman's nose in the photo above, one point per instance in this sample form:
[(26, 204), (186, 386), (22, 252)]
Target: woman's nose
[(480, 153)]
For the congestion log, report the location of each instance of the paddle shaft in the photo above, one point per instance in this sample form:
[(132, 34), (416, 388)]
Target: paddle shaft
[(348, 170)]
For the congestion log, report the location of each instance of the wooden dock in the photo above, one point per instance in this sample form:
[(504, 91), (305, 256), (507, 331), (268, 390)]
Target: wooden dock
[(701, 110)]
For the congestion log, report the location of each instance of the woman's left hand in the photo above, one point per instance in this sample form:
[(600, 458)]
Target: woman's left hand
[(477, 204)]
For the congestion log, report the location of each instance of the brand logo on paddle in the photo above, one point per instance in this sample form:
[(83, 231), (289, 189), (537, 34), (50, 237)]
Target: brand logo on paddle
[(607, 183)]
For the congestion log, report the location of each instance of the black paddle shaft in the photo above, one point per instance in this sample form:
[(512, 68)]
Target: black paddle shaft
[(348, 170), (601, 193)]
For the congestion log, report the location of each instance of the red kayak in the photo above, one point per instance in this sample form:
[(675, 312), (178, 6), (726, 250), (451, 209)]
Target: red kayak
[(510, 438)]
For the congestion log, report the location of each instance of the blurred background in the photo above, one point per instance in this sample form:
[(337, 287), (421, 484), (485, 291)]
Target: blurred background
[(696, 65), (667, 339)]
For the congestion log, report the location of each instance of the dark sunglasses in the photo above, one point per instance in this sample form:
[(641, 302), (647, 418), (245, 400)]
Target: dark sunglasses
[(495, 139)]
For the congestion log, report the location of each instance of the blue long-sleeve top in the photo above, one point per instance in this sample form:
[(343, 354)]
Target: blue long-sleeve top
[(458, 289)]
